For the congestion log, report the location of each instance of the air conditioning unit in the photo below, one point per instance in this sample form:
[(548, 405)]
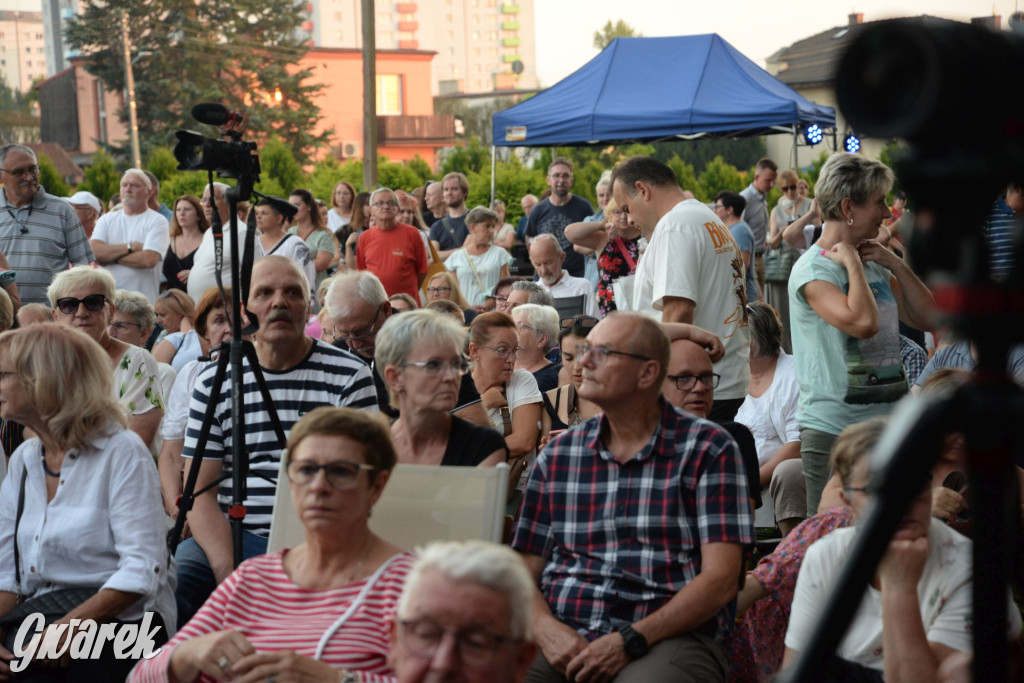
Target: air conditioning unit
[(350, 149)]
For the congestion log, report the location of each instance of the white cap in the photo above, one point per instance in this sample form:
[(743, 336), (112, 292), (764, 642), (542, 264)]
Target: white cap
[(87, 198)]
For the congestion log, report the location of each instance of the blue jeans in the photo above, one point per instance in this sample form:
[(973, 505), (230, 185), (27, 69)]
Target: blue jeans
[(195, 578)]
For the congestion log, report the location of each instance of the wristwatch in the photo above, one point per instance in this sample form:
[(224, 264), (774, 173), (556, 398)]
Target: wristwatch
[(633, 643)]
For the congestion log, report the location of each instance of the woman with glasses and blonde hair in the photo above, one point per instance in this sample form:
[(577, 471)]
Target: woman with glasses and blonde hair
[(444, 285), (83, 298), (420, 353), (80, 507), (319, 611), (510, 397)]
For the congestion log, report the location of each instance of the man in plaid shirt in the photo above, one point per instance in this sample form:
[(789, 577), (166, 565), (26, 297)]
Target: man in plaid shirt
[(634, 523)]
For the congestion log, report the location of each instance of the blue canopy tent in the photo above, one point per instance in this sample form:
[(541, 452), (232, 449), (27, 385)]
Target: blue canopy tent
[(647, 89)]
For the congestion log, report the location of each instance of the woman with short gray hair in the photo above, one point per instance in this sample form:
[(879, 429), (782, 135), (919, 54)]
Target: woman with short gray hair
[(847, 295), (537, 331), (420, 356)]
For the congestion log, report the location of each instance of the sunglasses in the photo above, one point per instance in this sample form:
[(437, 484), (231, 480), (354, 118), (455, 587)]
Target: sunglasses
[(788, 188), (584, 321), (69, 305)]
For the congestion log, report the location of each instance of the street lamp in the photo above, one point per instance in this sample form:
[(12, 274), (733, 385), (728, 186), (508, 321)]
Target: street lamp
[(129, 79)]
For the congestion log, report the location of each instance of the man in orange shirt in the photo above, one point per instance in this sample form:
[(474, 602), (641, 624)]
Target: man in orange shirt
[(392, 251)]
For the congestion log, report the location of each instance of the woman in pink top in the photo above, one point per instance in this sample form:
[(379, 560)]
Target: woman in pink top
[(318, 611)]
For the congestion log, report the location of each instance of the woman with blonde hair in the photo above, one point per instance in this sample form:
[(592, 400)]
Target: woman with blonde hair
[(175, 312), (445, 286), (83, 298), (80, 508)]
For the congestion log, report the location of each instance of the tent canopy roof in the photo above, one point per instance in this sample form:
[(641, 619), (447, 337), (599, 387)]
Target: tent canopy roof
[(643, 89)]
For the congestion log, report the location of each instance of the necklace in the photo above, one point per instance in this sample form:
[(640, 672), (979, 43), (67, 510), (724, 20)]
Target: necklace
[(49, 472)]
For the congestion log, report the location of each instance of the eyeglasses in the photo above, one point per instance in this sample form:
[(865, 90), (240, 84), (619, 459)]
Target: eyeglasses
[(476, 647), (560, 176), (438, 290), (788, 188), (601, 353), (361, 335), (124, 326), (340, 474), (528, 327), (500, 299), (503, 352), (435, 367), (386, 205), (585, 321), (716, 206), (22, 172), (68, 305), (688, 382)]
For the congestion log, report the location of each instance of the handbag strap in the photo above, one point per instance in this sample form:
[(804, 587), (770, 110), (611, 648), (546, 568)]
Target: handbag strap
[(476, 275), (572, 409), (17, 523), (621, 246), (356, 604)]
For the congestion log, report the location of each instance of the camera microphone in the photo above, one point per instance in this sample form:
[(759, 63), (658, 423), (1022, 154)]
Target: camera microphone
[(215, 114)]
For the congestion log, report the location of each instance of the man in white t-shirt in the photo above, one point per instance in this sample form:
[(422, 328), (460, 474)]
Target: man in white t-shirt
[(131, 243), (547, 257), (691, 271)]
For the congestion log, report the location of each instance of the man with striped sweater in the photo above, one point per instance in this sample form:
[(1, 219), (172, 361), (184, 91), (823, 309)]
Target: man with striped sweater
[(302, 374)]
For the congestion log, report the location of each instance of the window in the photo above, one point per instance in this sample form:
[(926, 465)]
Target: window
[(341, 36), (448, 18), (492, 36), (337, 16), (384, 18), (451, 51), (28, 62), (389, 94), (451, 36), (476, 52), (492, 52), (476, 35)]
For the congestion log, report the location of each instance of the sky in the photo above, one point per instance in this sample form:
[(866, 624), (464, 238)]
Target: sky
[(757, 28)]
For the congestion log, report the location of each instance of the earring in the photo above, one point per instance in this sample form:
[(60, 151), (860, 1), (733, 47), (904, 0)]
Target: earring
[(850, 221)]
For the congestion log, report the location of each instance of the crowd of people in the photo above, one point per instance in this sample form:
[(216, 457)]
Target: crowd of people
[(668, 381)]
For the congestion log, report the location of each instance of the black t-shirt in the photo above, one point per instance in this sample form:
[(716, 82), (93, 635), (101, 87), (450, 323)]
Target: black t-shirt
[(551, 219), (470, 444), (383, 403), (449, 232), (547, 377), (748, 449)]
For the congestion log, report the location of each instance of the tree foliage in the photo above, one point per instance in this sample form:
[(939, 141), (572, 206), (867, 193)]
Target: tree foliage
[(102, 178), (610, 32), (240, 53), (472, 157), (475, 114), (50, 178)]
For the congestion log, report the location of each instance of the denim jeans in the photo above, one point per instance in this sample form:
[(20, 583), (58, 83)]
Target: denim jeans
[(195, 578)]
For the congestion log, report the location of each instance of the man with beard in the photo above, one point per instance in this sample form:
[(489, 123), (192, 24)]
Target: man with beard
[(547, 258), (39, 233), (449, 232), (131, 243), (302, 374), (562, 208)]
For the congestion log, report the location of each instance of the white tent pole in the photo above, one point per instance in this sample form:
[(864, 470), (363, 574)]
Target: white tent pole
[(494, 165)]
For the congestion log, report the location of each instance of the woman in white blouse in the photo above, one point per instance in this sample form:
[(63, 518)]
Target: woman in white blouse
[(479, 264), (91, 514)]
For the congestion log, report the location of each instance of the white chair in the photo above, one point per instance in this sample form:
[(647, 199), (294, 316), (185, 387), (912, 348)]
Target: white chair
[(419, 504)]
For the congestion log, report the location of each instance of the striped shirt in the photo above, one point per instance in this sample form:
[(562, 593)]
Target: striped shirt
[(325, 377), (621, 539), (274, 614), (1001, 230), (40, 240)]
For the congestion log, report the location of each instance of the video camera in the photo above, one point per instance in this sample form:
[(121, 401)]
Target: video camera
[(236, 158)]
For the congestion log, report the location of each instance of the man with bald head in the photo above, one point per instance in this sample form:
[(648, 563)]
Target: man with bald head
[(547, 257), (633, 523), (302, 374)]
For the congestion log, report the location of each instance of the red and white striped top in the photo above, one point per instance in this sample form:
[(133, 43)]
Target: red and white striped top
[(261, 601)]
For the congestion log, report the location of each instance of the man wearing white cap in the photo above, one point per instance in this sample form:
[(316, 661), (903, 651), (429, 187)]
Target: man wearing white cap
[(88, 208)]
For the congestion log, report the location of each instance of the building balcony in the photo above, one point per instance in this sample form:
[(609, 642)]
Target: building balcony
[(510, 9), (408, 26), (404, 130), (510, 26), (408, 45), (508, 59), (511, 42), (406, 7)]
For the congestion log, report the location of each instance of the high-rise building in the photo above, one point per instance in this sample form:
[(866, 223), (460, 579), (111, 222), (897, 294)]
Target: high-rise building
[(22, 48), (480, 44)]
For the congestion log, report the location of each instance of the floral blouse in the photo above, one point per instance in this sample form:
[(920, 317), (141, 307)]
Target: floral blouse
[(611, 265), (758, 642), (136, 382)]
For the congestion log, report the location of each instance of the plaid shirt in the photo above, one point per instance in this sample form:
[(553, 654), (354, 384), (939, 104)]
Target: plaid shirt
[(621, 540)]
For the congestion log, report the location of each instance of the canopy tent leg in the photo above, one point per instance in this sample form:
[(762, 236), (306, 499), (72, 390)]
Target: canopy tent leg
[(796, 151), (494, 166)]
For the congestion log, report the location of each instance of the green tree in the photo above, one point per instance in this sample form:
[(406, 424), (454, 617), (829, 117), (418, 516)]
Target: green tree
[(326, 174), (475, 114), (421, 168), (686, 176), (185, 183), (51, 179), (277, 163), (102, 178), (472, 157), (610, 32), (718, 176), (162, 163), (512, 180), (244, 54)]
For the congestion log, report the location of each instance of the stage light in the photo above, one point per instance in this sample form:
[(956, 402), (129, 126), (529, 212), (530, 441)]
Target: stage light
[(813, 134), (851, 143)]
